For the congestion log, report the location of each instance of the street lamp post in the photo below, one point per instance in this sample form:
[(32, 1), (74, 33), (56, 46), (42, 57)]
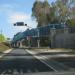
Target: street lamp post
[(38, 41)]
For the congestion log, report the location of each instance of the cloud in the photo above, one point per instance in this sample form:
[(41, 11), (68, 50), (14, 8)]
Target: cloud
[(18, 17), (13, 16), (21, 17)]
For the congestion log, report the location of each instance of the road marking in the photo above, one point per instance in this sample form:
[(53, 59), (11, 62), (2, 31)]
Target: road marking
[(46, 64), (56, 66), (41, 60)]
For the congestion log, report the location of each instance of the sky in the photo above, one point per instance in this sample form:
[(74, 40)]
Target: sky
[(12, 11)]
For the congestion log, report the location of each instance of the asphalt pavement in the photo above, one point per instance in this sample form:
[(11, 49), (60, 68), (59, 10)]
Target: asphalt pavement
[(19, 61), (27, 62)]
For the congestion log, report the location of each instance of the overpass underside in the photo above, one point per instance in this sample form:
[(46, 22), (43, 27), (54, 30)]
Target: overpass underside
[(41, 37), (33, 42)]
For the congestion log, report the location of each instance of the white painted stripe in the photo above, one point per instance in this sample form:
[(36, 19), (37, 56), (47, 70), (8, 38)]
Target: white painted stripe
[(41, 60), (46, 64)]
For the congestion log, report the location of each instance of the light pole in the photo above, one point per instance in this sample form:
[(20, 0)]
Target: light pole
[(38, 41)]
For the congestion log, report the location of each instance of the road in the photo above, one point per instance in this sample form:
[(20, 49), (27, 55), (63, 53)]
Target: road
[(20, 61), (65, 58), (23, 61)]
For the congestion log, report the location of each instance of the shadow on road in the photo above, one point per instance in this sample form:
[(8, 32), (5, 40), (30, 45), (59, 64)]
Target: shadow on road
[(24, 65), (53, 53)]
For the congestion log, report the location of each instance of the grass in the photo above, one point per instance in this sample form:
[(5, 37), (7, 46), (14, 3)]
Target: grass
[(3, 47)]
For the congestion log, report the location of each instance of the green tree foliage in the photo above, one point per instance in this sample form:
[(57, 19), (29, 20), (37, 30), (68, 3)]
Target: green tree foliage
[(65, 10), (43, 13), (46, 13), (60, 11), (2, 38)]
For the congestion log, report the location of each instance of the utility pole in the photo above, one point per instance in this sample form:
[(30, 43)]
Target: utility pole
[(38, 41)]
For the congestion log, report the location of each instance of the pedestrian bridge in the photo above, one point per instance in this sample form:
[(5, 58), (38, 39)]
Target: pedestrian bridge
[(32, 37)]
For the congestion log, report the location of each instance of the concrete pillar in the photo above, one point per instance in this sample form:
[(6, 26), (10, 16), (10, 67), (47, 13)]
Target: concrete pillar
[(52, 37), (20, 44), (17, 44)]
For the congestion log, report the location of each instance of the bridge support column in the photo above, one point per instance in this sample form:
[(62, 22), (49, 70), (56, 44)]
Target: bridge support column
[(19, 44)]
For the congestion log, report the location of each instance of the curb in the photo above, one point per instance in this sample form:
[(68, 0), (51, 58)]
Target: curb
[(54, 51), (5, 52)]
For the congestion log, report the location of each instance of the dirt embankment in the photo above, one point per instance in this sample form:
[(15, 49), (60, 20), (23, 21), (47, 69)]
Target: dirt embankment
[(4, 46)]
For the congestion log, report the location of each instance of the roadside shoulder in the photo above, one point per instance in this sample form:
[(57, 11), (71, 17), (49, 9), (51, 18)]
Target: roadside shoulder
[(5, 52)]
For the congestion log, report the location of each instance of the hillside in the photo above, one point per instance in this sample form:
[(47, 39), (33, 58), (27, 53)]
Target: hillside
[(2, 38), (3, 47)]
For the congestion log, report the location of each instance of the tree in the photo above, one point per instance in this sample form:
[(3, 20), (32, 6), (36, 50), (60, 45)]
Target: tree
[(65, 10), (2, 38), (60, 11), (42, 12)]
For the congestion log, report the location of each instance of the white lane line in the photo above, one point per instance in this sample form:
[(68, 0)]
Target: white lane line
[(46, 63), (41, 60)]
